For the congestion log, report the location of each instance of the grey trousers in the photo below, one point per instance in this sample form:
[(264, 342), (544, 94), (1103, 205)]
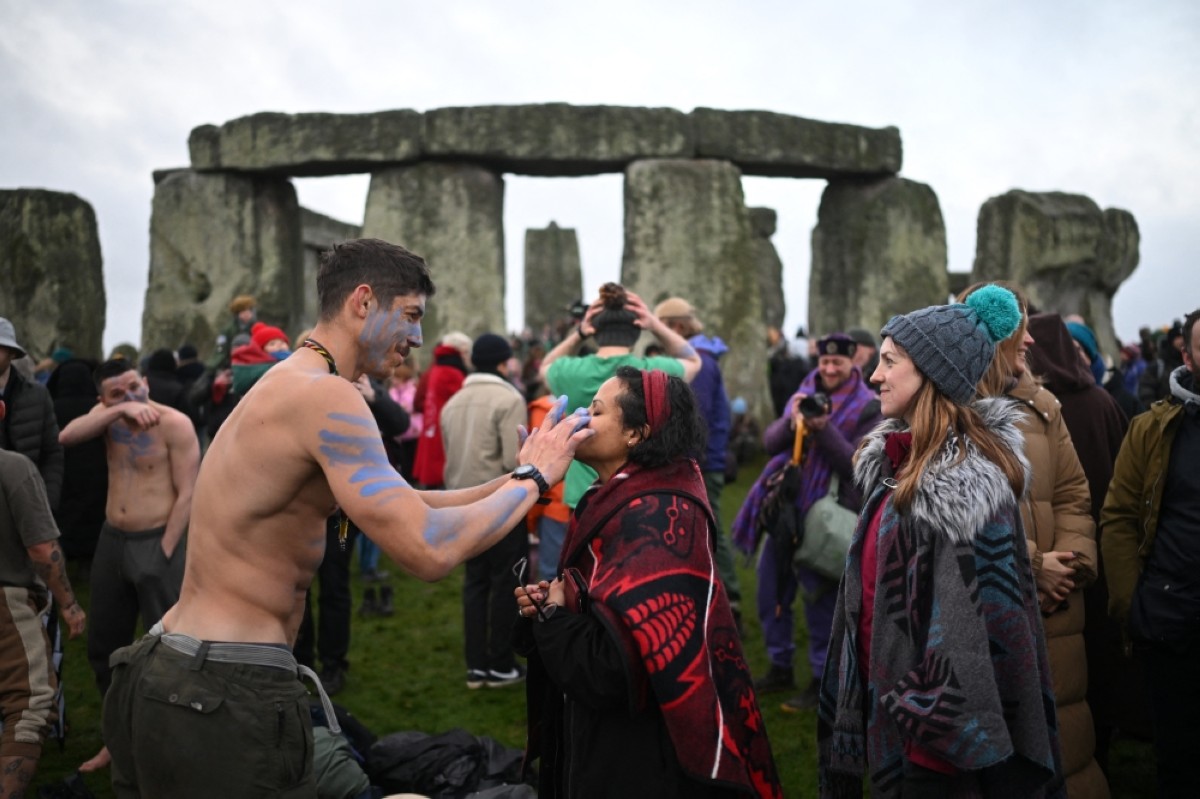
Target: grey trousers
[(130, 576)]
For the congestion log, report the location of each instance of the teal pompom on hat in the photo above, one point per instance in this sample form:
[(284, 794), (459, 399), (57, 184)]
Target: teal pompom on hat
[(953, 345)]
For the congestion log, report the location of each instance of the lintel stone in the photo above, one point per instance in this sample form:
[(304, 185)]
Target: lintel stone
[(557, 138), (308, 145), (780, 145)]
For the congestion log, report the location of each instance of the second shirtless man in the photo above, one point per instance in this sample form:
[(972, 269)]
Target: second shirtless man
[(210, 704), (153, 457)]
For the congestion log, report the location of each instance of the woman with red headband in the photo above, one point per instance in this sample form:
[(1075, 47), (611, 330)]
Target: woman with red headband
[(637, 684)]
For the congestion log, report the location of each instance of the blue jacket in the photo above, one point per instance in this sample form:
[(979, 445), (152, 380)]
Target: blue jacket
[(713, 402)]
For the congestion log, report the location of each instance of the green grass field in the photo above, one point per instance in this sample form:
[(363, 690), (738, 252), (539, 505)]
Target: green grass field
[(408, 674)]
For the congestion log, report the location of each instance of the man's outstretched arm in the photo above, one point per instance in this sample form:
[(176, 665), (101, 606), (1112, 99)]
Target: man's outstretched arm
[(427, 541)]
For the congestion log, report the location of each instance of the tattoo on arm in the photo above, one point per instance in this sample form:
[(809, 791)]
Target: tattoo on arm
[(53, 572)]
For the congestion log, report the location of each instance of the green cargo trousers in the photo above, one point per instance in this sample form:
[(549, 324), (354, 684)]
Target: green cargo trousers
[(185, 726)]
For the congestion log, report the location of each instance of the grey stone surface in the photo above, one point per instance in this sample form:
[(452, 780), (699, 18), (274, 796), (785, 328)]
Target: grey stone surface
[(687, 233), (879, 249), (557, 138), (553, 276), (1068, 255), (318, 232), (767, 266), (51, 274), (781, 145), (308, 144), (453, 216), (213, 237)]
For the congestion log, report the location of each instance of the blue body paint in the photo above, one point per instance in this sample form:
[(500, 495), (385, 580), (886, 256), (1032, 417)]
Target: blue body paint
[(366, 452)]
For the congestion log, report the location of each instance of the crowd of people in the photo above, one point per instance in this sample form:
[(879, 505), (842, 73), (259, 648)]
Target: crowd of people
[(1022, 518)]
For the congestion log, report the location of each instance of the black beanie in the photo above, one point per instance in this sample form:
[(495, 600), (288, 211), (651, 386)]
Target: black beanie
[(489, 351), (615, 328)]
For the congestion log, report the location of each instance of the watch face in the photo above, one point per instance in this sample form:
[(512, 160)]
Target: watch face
[(523, 470)]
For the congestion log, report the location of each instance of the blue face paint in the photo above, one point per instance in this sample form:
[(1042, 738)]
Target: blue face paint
[(582, 419), (384, 330)]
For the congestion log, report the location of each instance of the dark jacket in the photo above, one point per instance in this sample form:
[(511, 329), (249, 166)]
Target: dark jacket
[(30, 429), (80, 513), (1129, 519), (709, 387)]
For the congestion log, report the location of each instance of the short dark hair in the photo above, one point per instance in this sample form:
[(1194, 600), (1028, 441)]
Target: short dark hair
[(111, 368), (389, 269), (1189, 324), (681, 436)]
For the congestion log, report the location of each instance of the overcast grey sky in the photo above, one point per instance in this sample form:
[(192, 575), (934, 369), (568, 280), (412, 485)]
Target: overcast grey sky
[(1094, 97)]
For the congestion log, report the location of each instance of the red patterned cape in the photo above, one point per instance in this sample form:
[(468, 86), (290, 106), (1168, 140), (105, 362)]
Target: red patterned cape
[(642, 543)]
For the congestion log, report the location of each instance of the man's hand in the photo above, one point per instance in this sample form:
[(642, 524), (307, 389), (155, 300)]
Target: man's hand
[(75, 619), (1056, 578), (139, 414), (551, 447)]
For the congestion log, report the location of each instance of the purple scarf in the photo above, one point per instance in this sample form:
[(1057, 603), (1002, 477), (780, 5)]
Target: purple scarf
[(848, 403)]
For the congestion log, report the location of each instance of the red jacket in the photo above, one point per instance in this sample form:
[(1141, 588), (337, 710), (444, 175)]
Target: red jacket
[(442, 381)]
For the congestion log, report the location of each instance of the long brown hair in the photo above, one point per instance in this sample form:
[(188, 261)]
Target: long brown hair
[(934, 419), (999, 377)]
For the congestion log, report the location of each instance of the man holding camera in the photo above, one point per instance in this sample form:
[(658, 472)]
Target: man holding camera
[(833, 409)]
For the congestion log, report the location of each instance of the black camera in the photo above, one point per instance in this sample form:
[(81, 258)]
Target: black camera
[(815, 405)]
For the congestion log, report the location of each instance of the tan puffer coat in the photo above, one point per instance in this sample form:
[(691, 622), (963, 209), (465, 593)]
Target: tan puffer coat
[(1057, 517)]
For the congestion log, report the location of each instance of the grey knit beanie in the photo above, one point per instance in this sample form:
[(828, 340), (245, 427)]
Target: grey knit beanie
[(953, 345)]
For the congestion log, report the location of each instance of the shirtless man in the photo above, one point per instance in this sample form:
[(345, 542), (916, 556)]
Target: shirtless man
[(153, 457), (210, 704)]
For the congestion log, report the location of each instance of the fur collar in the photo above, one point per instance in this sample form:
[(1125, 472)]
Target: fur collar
[(956, 497)]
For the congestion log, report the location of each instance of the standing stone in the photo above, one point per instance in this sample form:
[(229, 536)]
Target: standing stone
[(879, 249), (1068, 255), (319, 233), (553, 276), (687, 233), (51, 275), (767, 266), (213, 237), (452, 215)]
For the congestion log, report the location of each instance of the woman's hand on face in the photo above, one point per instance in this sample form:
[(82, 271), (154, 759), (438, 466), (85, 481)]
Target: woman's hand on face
[(1056, 579)]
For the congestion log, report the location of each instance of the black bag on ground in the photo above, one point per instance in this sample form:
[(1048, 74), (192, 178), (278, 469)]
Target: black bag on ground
[(446, 766)]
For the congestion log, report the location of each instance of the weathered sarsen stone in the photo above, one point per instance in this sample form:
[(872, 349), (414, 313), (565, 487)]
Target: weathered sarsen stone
[(307, 145), (553, 275), (780, 145), (879, 249), (767, 266), (687, 233), (51, 275), (318, 232), (453, 216), (213, 237), (1068, 255), (556, 138)]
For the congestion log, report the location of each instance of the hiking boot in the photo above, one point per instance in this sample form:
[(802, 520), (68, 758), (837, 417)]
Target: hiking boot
[(476, 678), (777, 678), (333, 679), (805, 701), (387, 597), (370, 605), (499, 679)]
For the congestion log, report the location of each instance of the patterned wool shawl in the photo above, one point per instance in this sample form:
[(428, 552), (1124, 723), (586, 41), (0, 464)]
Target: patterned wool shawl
[(849, 401), (958, 660), (643, 543)]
